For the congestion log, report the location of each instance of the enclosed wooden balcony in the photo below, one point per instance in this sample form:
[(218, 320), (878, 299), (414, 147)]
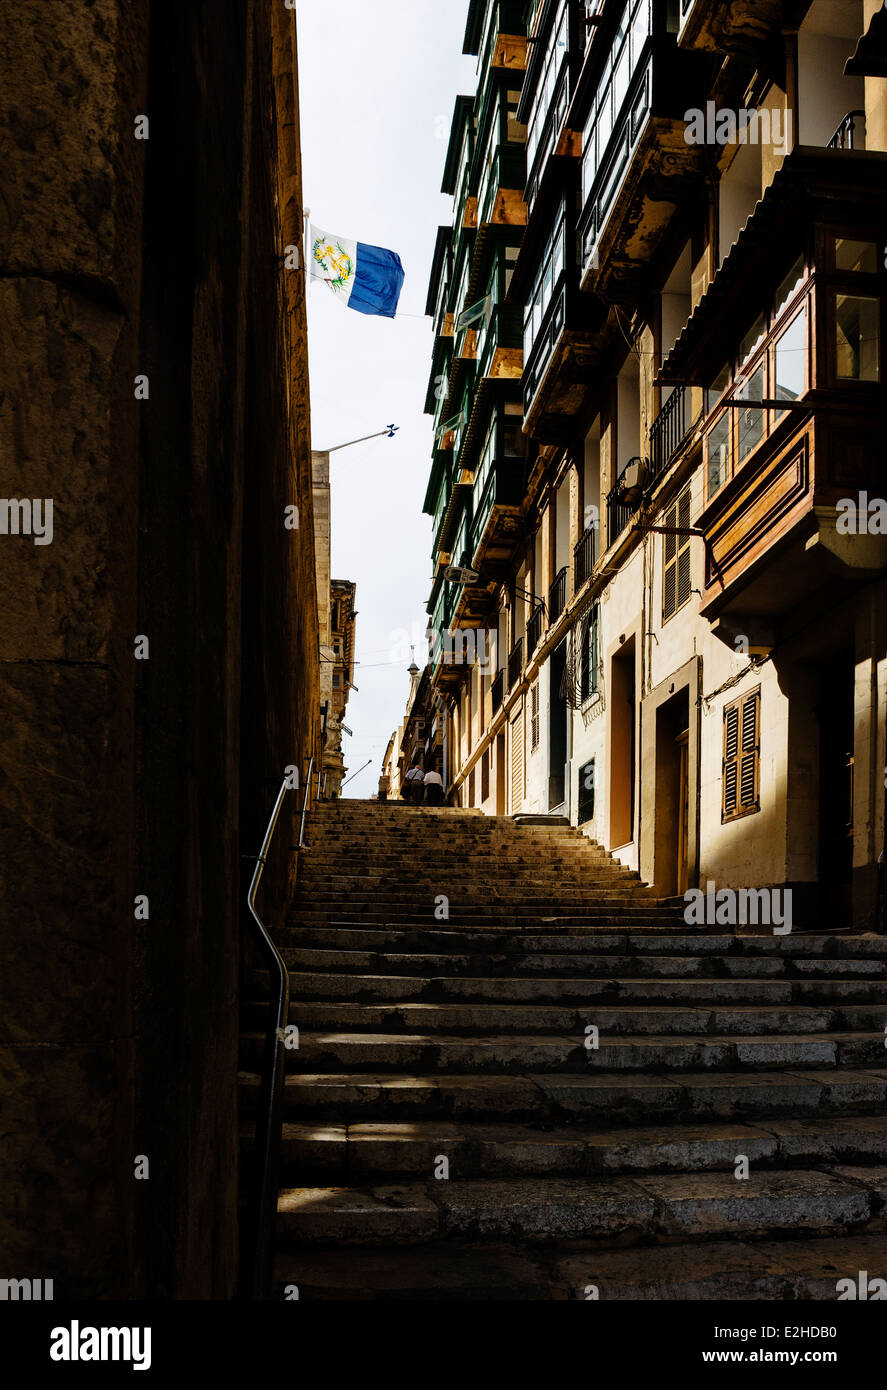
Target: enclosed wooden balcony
[(794, 419)]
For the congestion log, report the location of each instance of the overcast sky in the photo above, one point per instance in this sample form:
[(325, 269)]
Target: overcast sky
[(378, 79)]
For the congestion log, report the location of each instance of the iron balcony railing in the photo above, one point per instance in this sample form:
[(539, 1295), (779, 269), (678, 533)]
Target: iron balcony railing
[(584, 558), (844, 137), (496, 691), (618, 512), (557, 595), (534, 629), (669, 430), (515, 663)]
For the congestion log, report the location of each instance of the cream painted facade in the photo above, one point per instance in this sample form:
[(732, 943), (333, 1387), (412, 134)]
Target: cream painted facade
[(798, 614)]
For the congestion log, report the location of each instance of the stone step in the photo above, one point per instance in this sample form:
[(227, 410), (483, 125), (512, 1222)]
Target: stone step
[(441, 941), (583, 990), (674, 1020), (835, 1201), (562, 965), (350, 1153), (494, 1054), (613, 917), (629, 1098), (720, 1271)]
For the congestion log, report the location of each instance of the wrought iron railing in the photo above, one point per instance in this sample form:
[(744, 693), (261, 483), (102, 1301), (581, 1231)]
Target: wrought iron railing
[(515, 663), (618, 513), (844, 137), (557, 595), (669, 430), (496, 691), (584, 558), (534, 629)]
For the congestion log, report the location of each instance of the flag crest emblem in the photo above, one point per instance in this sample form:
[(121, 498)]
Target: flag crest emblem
[(335, 260), (366, 278)]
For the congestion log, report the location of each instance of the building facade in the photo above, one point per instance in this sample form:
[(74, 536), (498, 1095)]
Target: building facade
[(343, 623), (658, 395)]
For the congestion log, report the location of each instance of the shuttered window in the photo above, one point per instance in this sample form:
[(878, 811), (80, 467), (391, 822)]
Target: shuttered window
[(590, 654), (517, 762), (676, 550), (742, 757), (534, 717)]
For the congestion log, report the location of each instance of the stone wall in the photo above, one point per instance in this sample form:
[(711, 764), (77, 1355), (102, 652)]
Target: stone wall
[(160, 258)]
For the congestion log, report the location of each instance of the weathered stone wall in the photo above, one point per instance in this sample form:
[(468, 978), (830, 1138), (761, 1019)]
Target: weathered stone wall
[(122, 257)]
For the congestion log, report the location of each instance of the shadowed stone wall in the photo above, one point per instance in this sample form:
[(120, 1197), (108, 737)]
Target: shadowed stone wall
[(160, 258)]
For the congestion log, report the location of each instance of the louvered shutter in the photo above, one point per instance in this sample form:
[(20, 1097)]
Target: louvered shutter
[(742, 756), (750, 759), (731, 766), (676, 553)]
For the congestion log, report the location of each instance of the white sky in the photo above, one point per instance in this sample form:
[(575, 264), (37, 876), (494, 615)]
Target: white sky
[(378, 79)]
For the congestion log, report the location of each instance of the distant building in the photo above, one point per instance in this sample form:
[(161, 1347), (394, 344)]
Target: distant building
[(342, 636)]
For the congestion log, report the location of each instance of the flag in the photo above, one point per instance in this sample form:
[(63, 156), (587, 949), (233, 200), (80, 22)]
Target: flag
[(366, 278)]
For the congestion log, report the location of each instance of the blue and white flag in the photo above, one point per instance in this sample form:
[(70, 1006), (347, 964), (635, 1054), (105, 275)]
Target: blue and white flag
[(366, 278)]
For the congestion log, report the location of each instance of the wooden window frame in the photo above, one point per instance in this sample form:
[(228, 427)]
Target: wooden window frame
[(743, 750)]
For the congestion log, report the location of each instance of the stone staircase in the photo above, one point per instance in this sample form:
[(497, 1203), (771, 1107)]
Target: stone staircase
[(452, 1131)]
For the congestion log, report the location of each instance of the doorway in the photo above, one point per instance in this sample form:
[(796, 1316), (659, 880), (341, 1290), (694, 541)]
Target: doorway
[(836, 719), (623, 719), (557, 730), (672, 807), (500, 775)]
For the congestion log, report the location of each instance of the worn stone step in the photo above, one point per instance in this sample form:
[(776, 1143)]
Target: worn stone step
[(629, 1098), (442, 941), (565, 965), (565, 989), (770, 1271), (839, 1201), (353, 1152), (515, 1054), (477, 1019)]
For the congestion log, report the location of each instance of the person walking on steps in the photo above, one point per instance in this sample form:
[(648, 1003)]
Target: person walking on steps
[(413, 784), (434, 788)]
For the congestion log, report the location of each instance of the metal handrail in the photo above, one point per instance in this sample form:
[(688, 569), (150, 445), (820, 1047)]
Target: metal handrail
[(305, 803), (267, 1145)]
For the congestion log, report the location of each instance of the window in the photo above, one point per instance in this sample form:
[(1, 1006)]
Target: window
[(676, 550), (625, 51), (549, 85), (767, 367), (551, 265), (856, 256), (485, 775), (719, 455), (337, 681), (586, 792), (534, 717), (791, 362), (742, 757), (857, 337), (589, 657)]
